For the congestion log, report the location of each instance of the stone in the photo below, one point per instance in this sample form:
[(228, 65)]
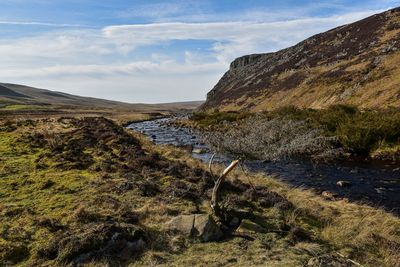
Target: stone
[(200, 226), (247, 226), (329, 195), (379, 190), (199, 151), (343, 183), (205, 228), (183, 224)]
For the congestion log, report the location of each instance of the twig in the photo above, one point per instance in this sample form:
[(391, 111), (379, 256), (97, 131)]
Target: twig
[(349, 260), (210, 166), (247, 175)]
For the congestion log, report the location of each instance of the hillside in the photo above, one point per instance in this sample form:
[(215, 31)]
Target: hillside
[(14, 94), (354, 64)]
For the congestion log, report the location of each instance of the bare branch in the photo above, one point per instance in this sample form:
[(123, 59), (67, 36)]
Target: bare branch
[(247, 175), (210, 166), (215, 194)]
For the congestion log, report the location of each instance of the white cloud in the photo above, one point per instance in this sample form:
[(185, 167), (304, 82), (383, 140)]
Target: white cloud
[(103, 63), (231, 38)]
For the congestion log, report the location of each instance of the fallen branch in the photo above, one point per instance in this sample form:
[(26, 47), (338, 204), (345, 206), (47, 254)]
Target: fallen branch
[(215, 193)]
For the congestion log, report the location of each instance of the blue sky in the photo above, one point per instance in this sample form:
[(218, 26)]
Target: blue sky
[(153, 51)]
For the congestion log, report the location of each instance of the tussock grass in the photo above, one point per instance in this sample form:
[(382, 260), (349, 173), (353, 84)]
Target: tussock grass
[(365, 234)]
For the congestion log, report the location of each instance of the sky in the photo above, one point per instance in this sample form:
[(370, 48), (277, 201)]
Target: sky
[(153, 51)]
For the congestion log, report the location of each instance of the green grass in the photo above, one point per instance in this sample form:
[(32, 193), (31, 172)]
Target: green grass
[(361, 132), (17, 107), (209, 119)]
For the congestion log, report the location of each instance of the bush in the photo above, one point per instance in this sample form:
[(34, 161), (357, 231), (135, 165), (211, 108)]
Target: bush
[(272, 139), (291, 130)]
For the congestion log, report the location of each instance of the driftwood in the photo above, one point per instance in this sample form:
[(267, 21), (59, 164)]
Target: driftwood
[(215, 193)]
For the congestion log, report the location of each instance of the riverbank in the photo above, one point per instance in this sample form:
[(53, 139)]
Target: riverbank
[(350, 228), (374, 184)]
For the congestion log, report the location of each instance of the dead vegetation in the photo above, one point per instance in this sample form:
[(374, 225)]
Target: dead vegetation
[(272, 139), (340, 131)]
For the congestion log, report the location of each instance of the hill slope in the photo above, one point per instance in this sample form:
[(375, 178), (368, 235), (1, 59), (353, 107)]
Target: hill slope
[(355, 64), (25, 95)]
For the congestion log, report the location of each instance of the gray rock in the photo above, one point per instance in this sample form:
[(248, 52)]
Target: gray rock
[(183, 224), (205, 228), (343, 183), (200, 226)]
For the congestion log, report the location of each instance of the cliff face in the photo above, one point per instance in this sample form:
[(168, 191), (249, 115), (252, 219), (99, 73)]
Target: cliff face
[(358, 64)]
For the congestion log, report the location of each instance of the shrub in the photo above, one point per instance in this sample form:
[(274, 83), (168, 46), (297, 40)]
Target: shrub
[(358, 132), (271, 139)]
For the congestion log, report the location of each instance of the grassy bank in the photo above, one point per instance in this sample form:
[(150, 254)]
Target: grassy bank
[(363, 133), (85, 191)]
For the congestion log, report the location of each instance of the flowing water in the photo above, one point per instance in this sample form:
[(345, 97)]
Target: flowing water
[(373, 183)]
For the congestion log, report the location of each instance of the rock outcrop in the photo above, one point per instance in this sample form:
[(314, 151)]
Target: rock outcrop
[(201, 226), (355, 64)]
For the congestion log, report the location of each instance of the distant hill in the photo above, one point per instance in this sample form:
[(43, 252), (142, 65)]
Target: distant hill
[(358, 64), (25, 95)]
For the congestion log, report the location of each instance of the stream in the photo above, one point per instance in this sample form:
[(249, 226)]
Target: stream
[(375, 184)]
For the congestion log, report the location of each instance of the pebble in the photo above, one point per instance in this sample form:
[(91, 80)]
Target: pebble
[(343, 183)]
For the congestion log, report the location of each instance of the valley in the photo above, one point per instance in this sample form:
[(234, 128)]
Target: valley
[(292, 160)]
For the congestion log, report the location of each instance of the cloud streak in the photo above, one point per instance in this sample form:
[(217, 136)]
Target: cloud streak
[(48, 24)]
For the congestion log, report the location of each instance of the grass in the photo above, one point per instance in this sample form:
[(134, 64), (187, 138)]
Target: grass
[(361, 132), (365, 234), (69, 186), (16, 107), (204, 119)]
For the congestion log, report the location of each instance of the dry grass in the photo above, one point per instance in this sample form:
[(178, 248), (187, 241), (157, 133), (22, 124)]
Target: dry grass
[(358, 231), (368, 235)]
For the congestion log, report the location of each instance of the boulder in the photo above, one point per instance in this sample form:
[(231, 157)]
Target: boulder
[(205, 228), (200, 226), (183, 224), (247, 226)]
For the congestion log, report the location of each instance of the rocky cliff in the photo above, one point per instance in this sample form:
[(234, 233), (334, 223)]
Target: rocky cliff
[(358, 64)]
